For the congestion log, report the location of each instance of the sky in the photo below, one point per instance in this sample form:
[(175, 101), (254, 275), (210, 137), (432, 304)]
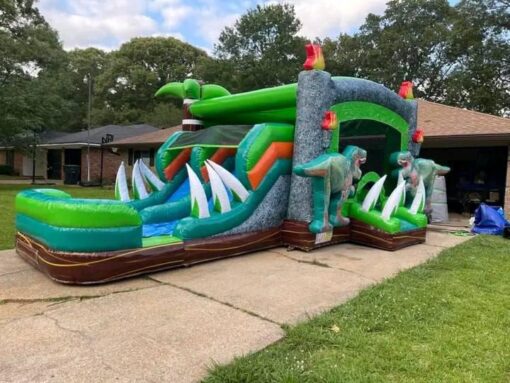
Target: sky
[(106, 24)]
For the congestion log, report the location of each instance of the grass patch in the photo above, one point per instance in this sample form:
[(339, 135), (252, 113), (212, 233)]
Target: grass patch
[(8, 193), (445, 321)]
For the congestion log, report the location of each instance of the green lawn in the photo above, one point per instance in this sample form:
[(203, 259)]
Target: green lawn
[(445, 321), (8, 192)]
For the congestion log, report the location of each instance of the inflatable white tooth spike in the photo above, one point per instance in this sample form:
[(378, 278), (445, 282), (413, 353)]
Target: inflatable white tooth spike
[(393, 202), (154, 182), (418, 203), (220, 195), (236, 187), (199, 204), (121, 187), (139, 190), (373, 195), (400, 180)]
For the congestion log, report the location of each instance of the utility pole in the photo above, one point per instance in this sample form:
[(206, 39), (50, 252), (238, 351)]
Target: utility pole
[(34, 154), (89, 77)]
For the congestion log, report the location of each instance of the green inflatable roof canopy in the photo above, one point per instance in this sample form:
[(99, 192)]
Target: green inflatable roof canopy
[(219, 136)]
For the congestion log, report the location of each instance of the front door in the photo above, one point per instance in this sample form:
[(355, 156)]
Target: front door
[(54, 164)]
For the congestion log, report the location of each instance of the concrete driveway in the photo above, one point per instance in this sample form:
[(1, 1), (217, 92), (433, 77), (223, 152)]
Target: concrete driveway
[(171, 326)]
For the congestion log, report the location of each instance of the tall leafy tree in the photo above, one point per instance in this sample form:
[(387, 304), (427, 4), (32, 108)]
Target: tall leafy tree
[(457, 55), (125, 88), (408, 42), (342, 55), (480, 79), (84, 65), (262, 49), (32, 81)]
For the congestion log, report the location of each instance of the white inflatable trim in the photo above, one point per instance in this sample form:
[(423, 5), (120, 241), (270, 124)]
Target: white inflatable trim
[(198, 196), (220, 195), (138, 185), (393, 202), (373, 194), (418, 203), (154, 182), (400, 180), (230, 181), (121, 187)]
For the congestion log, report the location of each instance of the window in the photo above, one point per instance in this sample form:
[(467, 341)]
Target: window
[(146, 155)]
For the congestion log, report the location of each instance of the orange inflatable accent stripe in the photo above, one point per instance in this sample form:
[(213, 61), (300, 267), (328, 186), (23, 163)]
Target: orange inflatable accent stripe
[(218, 157), (178, 162), (273, 152)]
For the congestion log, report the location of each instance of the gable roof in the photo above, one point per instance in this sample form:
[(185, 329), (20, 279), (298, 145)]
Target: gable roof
[(155, 138), (96, 135), (440, 121)]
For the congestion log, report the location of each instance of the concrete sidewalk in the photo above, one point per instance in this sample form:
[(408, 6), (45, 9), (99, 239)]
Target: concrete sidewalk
[(171, 326)]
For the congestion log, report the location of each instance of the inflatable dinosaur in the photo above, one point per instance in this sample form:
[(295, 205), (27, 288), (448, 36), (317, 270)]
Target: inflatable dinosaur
[(412, 169), (332, 183)]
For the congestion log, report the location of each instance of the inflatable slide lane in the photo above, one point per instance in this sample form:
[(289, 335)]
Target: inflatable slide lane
[(217, 193)]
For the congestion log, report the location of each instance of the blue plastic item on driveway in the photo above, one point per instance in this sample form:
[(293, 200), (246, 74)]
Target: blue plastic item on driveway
[(489, 220)]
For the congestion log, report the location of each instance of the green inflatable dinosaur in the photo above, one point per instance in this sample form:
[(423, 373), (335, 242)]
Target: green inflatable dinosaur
[(414, 168), (332, 178)]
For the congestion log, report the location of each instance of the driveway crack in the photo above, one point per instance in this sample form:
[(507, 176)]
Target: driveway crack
[(67, 298), (67, 329), (228, 304), (322, 264)]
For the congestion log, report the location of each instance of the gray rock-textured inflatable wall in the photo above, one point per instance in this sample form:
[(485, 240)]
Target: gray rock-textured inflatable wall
[(270, 212), (315, 95)]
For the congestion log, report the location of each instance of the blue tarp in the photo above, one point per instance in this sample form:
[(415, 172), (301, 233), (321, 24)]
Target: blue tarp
[(489, 220)]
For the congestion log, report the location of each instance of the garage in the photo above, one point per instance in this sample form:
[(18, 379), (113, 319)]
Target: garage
[(476, 147)]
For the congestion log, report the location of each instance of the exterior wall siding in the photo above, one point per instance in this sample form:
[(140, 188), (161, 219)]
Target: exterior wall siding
[(111, 163)]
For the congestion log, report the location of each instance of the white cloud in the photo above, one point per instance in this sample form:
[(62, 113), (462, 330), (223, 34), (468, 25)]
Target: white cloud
[(176, 35), (212, 23), (321, 18), (109, 23), (173, 16)]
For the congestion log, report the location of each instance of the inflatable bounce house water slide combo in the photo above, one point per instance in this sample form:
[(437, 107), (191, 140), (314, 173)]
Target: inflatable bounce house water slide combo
[(281, 166)]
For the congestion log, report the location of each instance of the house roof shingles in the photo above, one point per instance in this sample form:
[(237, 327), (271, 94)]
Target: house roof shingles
[(443, 121), (96, 134), (148, 139)]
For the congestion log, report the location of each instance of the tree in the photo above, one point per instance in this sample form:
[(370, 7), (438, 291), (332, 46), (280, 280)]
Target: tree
[(408, 42), (457, 55), (125, 88), (32, 83), (84, 65), (262, 49), (480, 39), (342, 55)]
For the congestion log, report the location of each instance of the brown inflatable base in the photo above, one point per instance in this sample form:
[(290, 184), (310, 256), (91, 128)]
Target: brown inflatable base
[(295, 234), (92, 268), (367, 235)]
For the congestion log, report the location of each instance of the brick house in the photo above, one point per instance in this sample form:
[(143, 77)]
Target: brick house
[(475, 145), (55, 150)]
